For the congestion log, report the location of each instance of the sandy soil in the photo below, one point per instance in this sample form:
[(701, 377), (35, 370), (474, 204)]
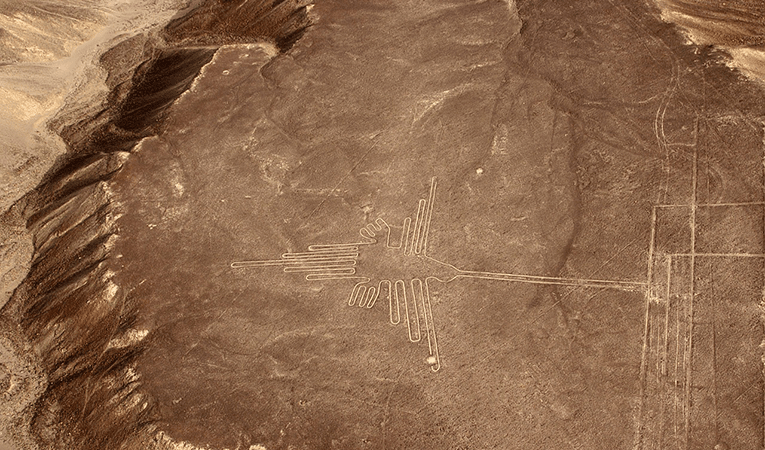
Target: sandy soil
[(557, 165), (584, 190)]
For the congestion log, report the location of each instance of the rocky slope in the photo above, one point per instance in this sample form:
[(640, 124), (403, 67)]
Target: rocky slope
[(62, 230)]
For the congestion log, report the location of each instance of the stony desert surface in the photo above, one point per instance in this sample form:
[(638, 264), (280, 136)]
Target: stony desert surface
[(416, 224)]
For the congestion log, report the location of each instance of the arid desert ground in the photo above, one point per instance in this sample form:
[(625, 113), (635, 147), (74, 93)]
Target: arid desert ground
[(401, 224)]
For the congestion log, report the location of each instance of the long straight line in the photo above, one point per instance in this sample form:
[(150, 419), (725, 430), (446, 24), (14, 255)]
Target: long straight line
[(322, 253), (643, 376), (429, 215), (717, 255), (639, 438), (421, 206), (677, 365), (651, 245), (689, 353), (709, 205), (535, 279), (667, 305), (330, 247), (333, 269), (337, 262), (295, 261), (665, 355), (261, 263), (335, 276)]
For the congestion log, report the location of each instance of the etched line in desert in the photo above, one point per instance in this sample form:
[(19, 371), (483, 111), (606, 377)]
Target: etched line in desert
[(408, 261)]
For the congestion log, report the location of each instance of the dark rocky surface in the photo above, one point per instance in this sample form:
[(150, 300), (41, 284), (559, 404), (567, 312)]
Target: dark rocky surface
[(78, 322), (591, 251)]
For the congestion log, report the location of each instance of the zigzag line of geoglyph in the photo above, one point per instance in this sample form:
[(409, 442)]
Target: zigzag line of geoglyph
[(407, 257)]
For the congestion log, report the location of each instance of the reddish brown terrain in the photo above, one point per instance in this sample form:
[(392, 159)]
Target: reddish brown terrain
[(403, 225)]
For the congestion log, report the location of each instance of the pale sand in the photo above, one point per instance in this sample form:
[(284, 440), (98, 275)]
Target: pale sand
[(728, 33)]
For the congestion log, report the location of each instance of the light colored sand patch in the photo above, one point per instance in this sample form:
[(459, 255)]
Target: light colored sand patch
[(28, 27), (165, 442), (6, 445), (268, 50), (34, 91), (748, 61), (131, 337)]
